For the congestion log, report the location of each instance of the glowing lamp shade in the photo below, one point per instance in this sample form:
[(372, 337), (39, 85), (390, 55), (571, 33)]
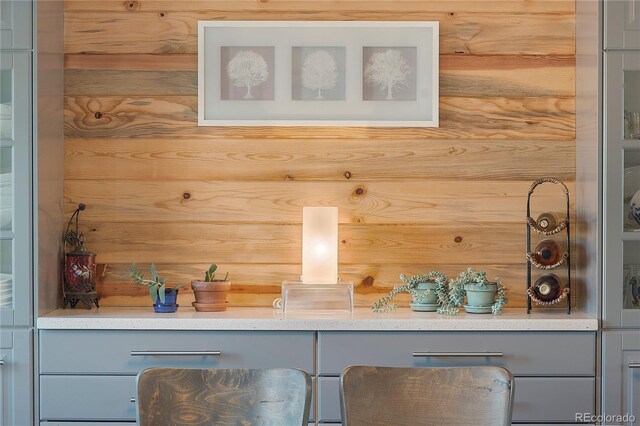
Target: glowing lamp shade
[(319, 245)]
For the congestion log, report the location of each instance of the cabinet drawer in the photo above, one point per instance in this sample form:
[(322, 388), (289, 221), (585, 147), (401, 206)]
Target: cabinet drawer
[(94, 398), (531, 354), (87, 424), (87, 398), (536, 399), (111, 351)]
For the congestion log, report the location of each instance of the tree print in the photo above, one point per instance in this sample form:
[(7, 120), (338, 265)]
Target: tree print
[(319, 72), (247, 69), (387, 70)]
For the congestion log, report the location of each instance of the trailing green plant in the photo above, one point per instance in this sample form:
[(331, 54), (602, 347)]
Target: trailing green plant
[(156, 284), (210, 274), (386, 304), (501, 300), (457, 292)]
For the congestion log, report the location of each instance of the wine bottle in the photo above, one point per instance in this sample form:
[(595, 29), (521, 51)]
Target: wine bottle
[(547, 287), (547, 252), (547, 221)]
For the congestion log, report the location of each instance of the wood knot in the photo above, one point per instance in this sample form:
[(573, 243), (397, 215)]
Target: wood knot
[(94, 229), (131, 5), (358, 219), (98, 115), (162, 14), (458, 239), (186, 195), (452, 14), (367, 281), (289, 177), (347, 175), (360, 191)]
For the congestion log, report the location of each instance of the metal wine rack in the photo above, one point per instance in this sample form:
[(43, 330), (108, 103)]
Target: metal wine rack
[(565, 258)]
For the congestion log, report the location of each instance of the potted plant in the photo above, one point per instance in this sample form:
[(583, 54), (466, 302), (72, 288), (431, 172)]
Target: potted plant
[(479, 291), (164, 298), (428, 291), (211, 294)]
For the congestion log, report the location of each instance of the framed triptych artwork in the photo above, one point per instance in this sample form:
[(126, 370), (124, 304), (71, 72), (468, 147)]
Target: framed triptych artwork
[(318, 73)]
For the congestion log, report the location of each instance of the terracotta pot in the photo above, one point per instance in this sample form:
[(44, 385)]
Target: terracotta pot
[(211, 296)]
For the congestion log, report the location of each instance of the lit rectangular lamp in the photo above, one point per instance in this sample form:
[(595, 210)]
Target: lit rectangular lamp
[(319, 245), (319, 288)]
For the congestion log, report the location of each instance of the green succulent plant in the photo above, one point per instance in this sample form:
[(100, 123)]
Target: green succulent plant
[(386, 304), (210, 274), (156, 284), (457, 292)]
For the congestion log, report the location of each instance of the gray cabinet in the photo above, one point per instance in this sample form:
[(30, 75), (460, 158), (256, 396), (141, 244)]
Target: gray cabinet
[(621, 198), (522, 353), (16, 93), (15, 188), (15, 378), (621, 376), (129, 352), (90, 376), (535, 399), (620, 395), (554, 372), (87, 424), (15, 24), (88, 397)]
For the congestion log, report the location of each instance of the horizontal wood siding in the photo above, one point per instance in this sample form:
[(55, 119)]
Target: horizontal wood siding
[(158, 188)]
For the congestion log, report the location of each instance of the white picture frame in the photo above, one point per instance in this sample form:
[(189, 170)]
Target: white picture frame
[(318, 73)]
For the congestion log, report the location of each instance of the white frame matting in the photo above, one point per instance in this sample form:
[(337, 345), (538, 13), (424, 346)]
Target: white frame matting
[(276, 106)]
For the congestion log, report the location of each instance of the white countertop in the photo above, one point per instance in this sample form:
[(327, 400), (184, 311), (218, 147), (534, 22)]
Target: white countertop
[(362, 319)]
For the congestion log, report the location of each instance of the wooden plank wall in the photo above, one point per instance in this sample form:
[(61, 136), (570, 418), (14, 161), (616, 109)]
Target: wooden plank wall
[(159, 188)]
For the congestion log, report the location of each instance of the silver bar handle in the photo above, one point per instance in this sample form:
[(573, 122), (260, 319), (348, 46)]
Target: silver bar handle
[(457, 354), (634, 364), (1, 362), (133, 399), (176, 353)]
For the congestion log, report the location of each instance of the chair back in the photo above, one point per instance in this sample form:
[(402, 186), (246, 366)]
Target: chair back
[(386, 396), (186, 396)]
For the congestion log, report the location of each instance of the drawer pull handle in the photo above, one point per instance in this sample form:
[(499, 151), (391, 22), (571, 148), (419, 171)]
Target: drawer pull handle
[(176, 353), (635, 364), (1, 362), (133, 399), (458, 354)]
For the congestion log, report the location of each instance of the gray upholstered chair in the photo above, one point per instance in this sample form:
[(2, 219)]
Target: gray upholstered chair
[(386, 396), (184, 396)]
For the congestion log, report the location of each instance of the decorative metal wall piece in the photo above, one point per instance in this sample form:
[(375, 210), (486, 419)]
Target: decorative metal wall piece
[(547, 289)]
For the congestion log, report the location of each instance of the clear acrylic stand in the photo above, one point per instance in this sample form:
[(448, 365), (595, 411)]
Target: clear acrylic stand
[(317, 298)]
